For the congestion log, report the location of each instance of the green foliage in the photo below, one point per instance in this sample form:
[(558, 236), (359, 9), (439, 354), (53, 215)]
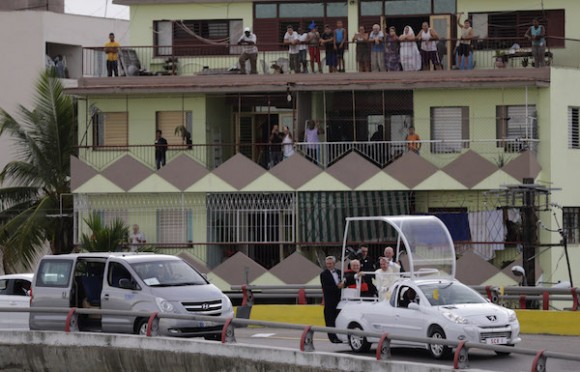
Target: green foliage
[(104, 238), (43, 140)]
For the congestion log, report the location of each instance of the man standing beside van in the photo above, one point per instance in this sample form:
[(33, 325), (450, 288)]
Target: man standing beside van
[(331, 289)]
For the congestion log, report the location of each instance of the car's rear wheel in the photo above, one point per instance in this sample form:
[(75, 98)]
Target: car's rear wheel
[(358, 344), (504, 353), (438, 351)]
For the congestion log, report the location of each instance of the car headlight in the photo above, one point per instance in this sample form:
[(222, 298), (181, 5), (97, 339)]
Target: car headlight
[(164, 305), (227, 304), (455, 318), (512, 317)]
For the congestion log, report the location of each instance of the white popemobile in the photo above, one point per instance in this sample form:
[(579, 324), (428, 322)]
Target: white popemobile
[(427, 300)]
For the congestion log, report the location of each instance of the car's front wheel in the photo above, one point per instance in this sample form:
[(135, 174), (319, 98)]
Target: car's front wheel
[(358, 344), (438, 351), (141, 328)]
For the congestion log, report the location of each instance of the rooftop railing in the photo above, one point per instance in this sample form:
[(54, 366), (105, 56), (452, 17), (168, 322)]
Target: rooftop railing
[(203, 59), (324, 154)]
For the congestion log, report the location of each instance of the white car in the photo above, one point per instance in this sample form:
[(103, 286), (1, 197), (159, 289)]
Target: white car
[(15, 292), (442, 308)]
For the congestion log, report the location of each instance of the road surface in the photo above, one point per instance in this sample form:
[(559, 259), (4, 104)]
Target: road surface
[(477, 358)]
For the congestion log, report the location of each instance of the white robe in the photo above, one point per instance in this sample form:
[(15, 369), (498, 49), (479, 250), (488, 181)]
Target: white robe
[(410, 56)]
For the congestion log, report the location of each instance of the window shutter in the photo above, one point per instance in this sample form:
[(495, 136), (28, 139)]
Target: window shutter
[(447, 123), (573, 135), (116, 131), (167, 121)]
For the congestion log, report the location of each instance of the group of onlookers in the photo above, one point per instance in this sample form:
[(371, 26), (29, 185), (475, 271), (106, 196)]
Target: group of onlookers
[(380, 50)]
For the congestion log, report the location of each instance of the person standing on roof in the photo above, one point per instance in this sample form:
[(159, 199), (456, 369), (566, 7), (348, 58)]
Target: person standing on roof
[(112, 51), (249, 51)]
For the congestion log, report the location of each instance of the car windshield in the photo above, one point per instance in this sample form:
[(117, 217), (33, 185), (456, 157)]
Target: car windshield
[(167, 273), (450, 293)]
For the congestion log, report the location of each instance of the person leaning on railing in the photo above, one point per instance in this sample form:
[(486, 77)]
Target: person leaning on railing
[(249, 51), (537, 34), (413, 139)]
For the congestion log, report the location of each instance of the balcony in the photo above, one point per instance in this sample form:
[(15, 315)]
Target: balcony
[(451, 164), (211, 60)]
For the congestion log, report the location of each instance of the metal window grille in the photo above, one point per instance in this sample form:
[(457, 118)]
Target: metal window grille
[(573, 132), (571, 218)]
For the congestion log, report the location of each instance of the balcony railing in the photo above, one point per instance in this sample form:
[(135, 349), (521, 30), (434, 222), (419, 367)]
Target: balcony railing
[(487, 53), (324, 154)]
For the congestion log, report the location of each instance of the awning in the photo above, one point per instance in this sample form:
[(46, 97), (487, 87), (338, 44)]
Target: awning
[(322, 214)]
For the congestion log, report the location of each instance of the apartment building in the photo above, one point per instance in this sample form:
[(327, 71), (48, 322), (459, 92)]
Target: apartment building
[(485, 132)]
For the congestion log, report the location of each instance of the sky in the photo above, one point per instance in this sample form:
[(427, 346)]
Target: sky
[(97, 8)]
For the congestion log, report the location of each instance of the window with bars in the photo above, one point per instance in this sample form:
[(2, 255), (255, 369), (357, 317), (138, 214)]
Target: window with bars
[(571, 223), (451, 126), (111, 129), (168, 121), (516, 124), (251, 218), (174, 226), (573, 135)]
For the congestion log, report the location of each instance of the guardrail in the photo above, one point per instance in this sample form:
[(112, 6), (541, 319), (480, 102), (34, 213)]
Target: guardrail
[(495, 294), (324, 154), (223, 58), (460, 360)]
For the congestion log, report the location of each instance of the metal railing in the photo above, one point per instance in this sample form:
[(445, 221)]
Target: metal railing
[(460, 360), (497, 295), (488, 53), (324, 154)]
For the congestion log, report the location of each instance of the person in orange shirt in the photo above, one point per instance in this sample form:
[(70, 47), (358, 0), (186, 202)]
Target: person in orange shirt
[(413, 139), (112, 51)]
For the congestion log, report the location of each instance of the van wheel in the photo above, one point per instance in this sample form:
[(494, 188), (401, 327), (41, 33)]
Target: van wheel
[(213, 337), (141, 327), (358, 344), (438, 351)]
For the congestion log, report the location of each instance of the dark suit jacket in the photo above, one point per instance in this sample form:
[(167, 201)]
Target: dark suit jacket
[(330, 291)]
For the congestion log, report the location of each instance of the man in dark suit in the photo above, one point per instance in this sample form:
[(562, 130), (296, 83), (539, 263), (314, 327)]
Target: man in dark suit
[(331, 290), (160, 149)]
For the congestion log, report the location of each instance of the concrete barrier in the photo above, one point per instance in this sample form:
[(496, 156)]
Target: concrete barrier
[(64, 352), (531, 321)]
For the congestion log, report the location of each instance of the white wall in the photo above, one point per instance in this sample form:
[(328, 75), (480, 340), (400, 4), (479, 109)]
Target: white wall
[(25, 35)]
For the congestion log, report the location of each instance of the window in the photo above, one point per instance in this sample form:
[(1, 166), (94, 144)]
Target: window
[(54, 273), (196, 37), (271, 19), (571, 222), (516, 124), (451, 125), (117, 272), (573, 140), (174, 226), (168, 121), (111, 129), (513, 25)]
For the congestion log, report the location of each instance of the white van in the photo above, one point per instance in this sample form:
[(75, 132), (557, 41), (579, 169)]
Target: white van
[(130, 282)]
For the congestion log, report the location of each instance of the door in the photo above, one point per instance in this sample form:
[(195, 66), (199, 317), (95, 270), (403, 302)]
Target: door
[(12, 295), (114, 297), (245, 135), (407, 321), (53, 286), (442, 25)]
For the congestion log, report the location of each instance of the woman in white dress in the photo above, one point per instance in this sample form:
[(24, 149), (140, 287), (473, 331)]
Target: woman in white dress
[(410, 56), (287, 143)]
